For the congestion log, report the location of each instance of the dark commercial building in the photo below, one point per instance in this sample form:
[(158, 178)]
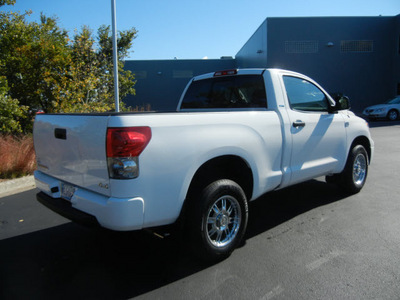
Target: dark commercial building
[(357, 56)]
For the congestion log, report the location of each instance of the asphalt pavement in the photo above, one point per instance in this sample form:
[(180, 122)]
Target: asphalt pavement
[(308, 241)]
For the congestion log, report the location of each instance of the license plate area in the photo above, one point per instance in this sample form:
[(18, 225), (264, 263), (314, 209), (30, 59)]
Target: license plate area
[(67, 191)]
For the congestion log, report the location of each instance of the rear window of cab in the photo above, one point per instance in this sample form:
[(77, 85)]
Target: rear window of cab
[(240, 91)]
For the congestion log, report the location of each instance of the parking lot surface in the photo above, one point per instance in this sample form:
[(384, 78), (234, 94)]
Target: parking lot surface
[(309, 241)]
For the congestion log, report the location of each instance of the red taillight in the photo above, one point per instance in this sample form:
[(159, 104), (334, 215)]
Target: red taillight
[(225, 73), (127, 141)]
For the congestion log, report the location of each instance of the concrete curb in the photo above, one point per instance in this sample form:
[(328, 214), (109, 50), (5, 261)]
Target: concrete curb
[(13, 186)]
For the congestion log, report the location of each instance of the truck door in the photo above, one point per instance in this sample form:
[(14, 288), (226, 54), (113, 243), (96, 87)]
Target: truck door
[(318, 136)]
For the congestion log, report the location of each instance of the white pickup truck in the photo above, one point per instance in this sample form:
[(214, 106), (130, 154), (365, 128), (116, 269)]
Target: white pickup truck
[(236, 135)]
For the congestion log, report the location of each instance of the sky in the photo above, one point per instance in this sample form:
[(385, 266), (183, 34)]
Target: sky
[(189, 29)]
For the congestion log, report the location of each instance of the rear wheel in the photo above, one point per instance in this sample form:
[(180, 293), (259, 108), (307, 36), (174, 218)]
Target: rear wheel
[(393, 115), (217, 220)]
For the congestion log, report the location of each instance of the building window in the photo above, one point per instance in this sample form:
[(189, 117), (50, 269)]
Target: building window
[(301, 46), (356, 46), (140, 74), (182, 73)]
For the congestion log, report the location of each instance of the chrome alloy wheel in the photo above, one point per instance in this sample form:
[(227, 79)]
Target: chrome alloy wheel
[(223, 221), (359, 169)]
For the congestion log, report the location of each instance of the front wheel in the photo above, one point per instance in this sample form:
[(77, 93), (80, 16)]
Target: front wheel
[(353, 178), (218, 220)]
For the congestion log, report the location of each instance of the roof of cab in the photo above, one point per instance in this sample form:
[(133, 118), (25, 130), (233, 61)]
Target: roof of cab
[(237, 72)]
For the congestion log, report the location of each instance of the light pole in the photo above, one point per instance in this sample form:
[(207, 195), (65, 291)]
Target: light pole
[(115, 53)]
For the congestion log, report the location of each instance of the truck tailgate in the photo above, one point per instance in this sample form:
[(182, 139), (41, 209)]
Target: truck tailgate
[(72, 148)]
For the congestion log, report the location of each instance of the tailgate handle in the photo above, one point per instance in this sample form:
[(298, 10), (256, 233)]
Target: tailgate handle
[(60, 133)]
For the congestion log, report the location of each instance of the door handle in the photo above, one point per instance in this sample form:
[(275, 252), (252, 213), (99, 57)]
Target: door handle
[(299, 123)]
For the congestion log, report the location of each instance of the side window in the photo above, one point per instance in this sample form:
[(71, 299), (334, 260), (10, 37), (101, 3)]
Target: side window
[(242, 91), (304, 96)]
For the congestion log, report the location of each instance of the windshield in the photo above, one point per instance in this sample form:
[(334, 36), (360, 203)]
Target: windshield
[(393, 101)]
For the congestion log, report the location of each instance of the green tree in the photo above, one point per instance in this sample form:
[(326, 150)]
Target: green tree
[(11, 113), (79, 92), (105, 60), (91, 72), (35, 57), (7, 2), (45, 69)]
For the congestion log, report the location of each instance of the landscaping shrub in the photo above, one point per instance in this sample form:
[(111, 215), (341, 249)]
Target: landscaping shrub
[(17, 156)]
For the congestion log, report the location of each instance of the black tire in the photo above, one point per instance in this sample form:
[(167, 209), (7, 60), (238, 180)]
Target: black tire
[(354, 175), (392, 115), (217, 220)]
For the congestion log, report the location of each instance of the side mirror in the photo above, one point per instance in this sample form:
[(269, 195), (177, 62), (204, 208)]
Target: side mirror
[(342, 102)]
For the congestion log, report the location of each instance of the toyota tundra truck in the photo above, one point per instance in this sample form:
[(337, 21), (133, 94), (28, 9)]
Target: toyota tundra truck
[(235, 135)]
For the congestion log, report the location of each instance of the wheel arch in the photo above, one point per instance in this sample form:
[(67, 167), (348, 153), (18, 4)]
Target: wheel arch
[(363, 141), (230, 167)]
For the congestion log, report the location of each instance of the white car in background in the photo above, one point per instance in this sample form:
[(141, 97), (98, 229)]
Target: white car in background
[(389, 110)]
